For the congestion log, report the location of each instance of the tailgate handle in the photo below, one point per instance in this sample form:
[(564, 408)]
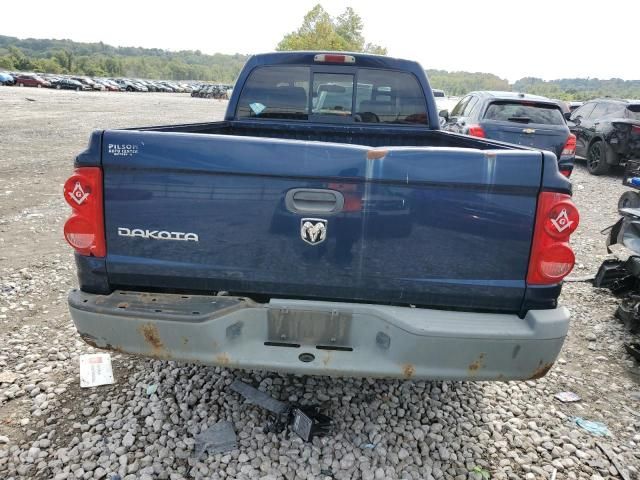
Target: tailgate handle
[(314, 200)]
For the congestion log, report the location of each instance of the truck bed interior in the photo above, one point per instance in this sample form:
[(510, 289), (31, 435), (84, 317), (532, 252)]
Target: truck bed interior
[(369, 135)]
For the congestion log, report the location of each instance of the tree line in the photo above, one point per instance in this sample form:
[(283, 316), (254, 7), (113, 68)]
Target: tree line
[(99, 59), (318, 31)]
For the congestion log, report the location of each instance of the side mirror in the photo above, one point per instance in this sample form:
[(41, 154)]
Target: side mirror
[(567, 115), (444, 114)]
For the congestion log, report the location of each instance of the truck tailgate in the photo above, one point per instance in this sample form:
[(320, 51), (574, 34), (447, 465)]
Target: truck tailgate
[(441, 227)]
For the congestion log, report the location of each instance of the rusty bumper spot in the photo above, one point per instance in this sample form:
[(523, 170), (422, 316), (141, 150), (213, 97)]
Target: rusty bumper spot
[(541, 371), (223, 359), (477, 364), (151, 337), (91, 340), (408, 370), (150, 333)]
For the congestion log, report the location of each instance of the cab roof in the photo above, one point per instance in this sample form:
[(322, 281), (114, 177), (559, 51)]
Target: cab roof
[(367, 60)]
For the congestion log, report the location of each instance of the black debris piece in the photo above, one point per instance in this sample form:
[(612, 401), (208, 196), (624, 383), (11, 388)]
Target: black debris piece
[(628, 313), (613, 274), (633, 349), (218, 438), (306, 422)]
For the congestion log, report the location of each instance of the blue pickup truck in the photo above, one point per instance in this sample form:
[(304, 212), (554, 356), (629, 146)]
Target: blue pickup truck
[(327, 226)]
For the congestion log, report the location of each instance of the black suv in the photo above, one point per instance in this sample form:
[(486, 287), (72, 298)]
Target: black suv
[(607, 132)]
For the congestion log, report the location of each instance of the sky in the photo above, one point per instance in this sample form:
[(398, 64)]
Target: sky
[(513, 39)]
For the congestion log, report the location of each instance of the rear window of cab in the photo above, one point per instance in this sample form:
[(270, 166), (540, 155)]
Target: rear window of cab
[(298, 93)]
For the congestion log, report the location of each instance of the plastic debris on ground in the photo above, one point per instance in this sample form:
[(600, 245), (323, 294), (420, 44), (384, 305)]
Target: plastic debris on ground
[(95, 370), (151, 389), (218, 438), (595, 428), (306, 422), (568, 397), (261, 399), (622, 472)]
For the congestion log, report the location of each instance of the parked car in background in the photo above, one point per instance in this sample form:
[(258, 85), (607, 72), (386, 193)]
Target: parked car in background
[(6, 79), (176, 88), (574, 105), (107, 85), (113, 84), (51, 78), (564, 106), (68, 84), (518, 118), (141, 86), (31, 80), (128, 85), (149, 85), (89, 83), (161, 88), (170, 86), (607, 132)]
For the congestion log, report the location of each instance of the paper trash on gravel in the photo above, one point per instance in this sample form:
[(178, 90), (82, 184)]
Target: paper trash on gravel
[(95, 370), (218, 438), (567, 397)]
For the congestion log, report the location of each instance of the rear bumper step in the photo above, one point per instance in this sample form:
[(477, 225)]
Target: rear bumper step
[(323, 338)]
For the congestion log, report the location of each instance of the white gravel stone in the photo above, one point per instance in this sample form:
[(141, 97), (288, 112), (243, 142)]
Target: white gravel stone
[(128, 440)]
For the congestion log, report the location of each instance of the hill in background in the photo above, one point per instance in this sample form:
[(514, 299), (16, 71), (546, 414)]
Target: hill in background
[(99, 59)]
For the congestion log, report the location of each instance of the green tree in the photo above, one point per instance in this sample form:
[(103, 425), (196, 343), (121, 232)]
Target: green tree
[(319, 31), (19, 59), (349, 26), (6, 61), (460, 83), (65, 59)]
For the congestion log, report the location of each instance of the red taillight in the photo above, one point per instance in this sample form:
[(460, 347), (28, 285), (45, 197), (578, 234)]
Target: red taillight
[(551, 256), (570, 146), (476, 131), (566, 173), (635, 129), (334, 58), (84, 230)]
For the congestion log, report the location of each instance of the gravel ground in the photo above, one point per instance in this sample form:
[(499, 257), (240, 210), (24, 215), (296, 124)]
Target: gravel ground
[(50, 429)]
